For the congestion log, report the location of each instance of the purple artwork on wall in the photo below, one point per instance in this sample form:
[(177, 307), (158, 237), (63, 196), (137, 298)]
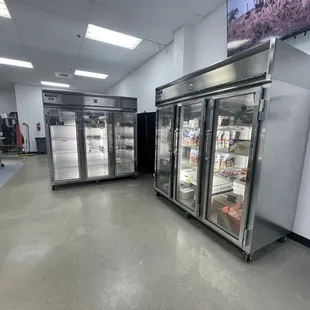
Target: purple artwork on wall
[(251, 22)]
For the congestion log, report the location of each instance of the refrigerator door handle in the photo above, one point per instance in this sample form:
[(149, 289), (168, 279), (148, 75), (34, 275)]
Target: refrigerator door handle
[(208, 141)]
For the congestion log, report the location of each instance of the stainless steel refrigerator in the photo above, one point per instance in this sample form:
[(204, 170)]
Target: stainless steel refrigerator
[(90, 137), (230, 143)]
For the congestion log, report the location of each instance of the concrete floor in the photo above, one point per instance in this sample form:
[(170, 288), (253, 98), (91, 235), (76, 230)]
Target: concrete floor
[(11, 166), (117, 246)]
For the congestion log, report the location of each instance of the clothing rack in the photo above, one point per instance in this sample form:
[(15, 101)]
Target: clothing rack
[(10, 135), (1, 163)]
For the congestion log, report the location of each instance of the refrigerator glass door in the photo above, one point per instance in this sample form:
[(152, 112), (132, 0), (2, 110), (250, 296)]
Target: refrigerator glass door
[(188, 134), (64, 145), (124, 136), (164, 134), (96, 144), (234, 135)]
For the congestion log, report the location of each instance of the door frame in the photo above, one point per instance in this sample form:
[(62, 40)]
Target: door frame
[(110, 144), (113, 165), (173, 120), (50, 146), (209, 162), (177, 140)]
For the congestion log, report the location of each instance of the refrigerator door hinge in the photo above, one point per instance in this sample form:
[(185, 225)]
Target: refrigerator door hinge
[(246, 237), (261, 116), (261, 110)]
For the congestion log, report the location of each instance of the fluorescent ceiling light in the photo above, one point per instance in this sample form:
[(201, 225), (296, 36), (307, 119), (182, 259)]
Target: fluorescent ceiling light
[(91, 74), (16, 63), (55, 84), (111, 37), (4, 12)]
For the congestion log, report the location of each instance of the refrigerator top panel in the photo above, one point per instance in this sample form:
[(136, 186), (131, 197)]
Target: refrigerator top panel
[(88, 101), (272, 60)]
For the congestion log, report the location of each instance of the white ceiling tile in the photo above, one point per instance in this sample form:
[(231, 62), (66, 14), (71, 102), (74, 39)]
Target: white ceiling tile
[(15, 51), (200, 7), (49, 29), (17, 74), (9, 32), (142, 18), (149, 47), (72, 8), (46, 63), (46, 30), (114, 54)]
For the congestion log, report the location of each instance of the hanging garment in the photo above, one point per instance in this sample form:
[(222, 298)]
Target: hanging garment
[(7, 133), (19, 139)]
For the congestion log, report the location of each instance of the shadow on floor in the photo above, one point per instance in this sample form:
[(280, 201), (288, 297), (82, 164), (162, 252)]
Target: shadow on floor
[(9, 169)]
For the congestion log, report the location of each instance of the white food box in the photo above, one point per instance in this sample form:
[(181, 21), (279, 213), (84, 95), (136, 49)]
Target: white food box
[(239, 188), (187, 193)]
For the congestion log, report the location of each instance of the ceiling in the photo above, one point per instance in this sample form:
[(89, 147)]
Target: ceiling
[(45, 32)]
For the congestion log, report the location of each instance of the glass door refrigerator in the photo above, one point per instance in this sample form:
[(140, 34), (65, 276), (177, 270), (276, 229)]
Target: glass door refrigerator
[(90, 138), (178, 144), (164, 145), (64, 143), (230, 153), (227, 150), (188, 138), (97, 144), (124, 137)]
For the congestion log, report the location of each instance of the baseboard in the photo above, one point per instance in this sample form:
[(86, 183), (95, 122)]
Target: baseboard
[(33, 153), (300, 239)]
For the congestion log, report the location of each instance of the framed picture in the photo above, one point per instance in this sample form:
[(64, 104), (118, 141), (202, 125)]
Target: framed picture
[(250, 22)]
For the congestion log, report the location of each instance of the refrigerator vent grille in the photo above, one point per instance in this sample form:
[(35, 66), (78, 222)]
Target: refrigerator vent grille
[(64, 75)]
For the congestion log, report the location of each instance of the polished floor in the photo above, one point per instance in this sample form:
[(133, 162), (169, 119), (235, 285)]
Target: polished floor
[(11, 166), (116, 245)]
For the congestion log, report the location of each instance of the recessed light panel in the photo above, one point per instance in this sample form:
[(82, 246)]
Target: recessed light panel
[(55, 84), (16, 63), (4, 12), (91, 74), (111, 37)]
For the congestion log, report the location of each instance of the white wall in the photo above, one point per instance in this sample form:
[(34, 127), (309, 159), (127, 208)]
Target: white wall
[(7, 102), (142, 83), (208, 45), (30, 111), (210, 40)]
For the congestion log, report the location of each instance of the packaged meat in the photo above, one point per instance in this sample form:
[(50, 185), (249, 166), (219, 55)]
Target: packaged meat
[(193, 157), (226, 139), (217, 161), (239, 147)]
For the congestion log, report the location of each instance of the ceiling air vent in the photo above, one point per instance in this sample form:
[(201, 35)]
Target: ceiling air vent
[(64, 75)]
